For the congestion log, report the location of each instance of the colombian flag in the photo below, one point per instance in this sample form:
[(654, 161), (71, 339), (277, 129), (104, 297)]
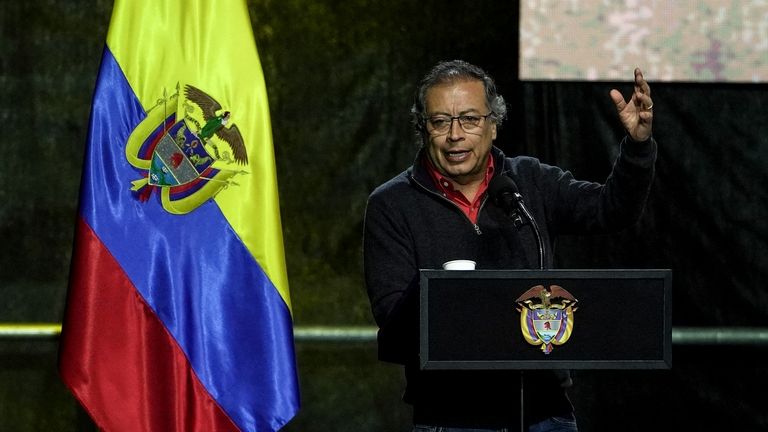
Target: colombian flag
[(178, 314)]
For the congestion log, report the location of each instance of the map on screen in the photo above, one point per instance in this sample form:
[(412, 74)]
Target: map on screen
[(604, 40)]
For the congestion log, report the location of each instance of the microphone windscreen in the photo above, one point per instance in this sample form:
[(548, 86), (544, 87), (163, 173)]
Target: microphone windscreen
[(501, 184)]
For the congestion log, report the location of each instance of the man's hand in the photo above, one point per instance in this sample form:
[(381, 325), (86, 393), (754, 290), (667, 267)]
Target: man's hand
[(636, 114)]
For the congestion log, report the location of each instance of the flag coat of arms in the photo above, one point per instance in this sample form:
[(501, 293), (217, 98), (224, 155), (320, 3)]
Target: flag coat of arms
[(178, 312)]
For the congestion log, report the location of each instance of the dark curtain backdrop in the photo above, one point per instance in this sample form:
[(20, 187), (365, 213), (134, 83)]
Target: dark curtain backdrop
[(340, 77)]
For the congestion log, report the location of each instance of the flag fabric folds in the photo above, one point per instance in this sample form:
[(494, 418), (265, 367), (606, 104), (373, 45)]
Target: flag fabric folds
[(178, 313)]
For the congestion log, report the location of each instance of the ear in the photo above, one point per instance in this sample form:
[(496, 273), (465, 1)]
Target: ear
[(493, 132)]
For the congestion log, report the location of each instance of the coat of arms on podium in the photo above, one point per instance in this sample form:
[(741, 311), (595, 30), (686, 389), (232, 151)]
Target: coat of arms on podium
[(546, 316)]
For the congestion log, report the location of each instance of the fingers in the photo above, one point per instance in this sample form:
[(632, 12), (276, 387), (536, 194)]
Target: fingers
[(641, 85), (642, 94), (618, 99), (641, 97), (645, 103)]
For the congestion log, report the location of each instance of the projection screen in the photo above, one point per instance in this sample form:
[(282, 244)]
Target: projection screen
[(685, 40)]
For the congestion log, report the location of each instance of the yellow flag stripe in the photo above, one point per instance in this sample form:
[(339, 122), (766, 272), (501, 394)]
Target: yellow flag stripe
[(214, 50)]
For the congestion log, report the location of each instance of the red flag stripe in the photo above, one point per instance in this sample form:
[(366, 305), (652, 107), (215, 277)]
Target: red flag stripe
[(109, 326)]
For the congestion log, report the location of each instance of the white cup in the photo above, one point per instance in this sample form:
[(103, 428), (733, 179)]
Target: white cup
[(459, 265)]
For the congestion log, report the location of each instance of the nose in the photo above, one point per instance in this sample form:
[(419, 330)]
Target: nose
[(455, 132)]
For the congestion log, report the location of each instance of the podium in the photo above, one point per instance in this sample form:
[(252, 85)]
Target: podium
[(619, 319)]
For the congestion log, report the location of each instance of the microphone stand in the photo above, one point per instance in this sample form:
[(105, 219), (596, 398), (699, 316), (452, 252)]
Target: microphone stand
[(534, 225), (518, 222)]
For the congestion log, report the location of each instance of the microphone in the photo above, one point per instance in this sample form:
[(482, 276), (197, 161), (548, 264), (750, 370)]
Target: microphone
[(505, 194)]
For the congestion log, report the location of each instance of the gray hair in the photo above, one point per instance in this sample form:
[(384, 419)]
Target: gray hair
[(453, 71)]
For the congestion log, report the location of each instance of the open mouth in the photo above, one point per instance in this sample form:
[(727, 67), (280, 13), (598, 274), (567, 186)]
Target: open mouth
[(457, 155)]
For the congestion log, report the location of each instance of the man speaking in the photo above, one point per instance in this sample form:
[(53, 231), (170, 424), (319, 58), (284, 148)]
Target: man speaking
[(439, 210)]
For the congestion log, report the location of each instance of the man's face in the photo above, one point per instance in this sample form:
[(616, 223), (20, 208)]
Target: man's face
[(460, 155)]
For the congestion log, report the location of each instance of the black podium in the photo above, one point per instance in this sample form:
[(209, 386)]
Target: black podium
[(501, 319)]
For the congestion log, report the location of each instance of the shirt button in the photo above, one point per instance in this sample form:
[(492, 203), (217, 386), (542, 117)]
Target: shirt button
[(446, 184)]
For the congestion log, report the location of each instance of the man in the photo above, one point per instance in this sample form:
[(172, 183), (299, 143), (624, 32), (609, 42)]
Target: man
[(438, 210)]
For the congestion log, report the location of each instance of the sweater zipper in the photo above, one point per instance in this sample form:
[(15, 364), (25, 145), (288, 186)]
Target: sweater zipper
[(478, 231)]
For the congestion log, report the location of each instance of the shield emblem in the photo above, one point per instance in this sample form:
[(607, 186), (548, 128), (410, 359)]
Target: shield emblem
[(178, 158), (547, 323)]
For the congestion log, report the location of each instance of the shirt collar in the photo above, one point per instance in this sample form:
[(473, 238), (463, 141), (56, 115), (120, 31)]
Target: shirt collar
[(445, 185)]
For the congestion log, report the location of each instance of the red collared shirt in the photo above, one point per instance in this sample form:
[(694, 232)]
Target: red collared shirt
[(471, 209)]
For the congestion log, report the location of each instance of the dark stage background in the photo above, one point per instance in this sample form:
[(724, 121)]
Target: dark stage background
[(340, 77)]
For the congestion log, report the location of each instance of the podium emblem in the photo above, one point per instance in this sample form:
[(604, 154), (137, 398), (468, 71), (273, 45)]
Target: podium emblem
[(546, 316)]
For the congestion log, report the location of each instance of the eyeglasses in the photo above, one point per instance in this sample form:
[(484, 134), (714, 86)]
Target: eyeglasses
[(440, 124)]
